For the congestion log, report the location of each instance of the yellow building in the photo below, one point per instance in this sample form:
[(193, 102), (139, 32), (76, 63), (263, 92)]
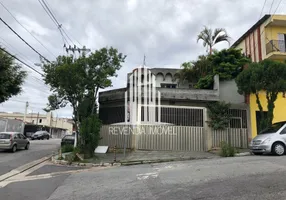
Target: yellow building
[(265, 39)]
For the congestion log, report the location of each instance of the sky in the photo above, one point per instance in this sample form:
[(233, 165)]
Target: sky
[(164, 30)]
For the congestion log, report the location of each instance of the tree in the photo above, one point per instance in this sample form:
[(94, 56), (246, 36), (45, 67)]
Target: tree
[(11, 77), (90, 134), (227, 63), (211, 38), (77, 81), (266, 76)]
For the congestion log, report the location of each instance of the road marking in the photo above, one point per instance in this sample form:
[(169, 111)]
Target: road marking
[(147, 176), (23, 168)]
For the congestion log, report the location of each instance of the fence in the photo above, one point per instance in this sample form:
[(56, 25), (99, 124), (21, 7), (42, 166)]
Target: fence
[(154, 137), (236, 137), (116, 135), (174, 138)]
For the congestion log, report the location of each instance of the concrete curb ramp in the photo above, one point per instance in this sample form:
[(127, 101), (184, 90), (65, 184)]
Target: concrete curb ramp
[(23, 168)]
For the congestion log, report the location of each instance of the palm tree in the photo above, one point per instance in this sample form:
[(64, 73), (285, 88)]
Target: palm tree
[(211, 38)]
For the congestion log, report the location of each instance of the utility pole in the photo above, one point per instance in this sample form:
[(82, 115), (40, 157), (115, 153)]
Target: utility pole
[(32, 117), (26, 108), (37, 118), (74, 49)]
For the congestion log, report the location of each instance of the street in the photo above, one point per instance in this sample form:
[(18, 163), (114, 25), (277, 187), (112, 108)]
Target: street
[(38, 149), (249, 177)]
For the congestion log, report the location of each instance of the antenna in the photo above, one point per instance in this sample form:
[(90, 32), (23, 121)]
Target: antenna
[(144, 59)]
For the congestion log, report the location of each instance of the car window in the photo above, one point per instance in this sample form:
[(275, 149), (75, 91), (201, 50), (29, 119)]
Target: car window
[(273, 129), (283, 131), (21, 136), (16, 136), (4, 136), (69, 137)]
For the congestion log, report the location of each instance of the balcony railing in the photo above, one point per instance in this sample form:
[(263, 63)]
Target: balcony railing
[(275, 46)]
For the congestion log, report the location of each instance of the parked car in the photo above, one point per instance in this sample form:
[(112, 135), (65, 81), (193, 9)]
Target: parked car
[(41, 135), (68, 140), (13, 141), (270, 140)]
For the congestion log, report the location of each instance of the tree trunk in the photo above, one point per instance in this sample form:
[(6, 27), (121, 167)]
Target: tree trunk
[(271, 98), (211, 50), (262, 120), (94, 103)]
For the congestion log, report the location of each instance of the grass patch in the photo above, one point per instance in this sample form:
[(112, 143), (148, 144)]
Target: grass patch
[(227, 150)]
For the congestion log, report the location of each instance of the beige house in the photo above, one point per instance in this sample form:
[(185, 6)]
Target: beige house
[(48, 119)]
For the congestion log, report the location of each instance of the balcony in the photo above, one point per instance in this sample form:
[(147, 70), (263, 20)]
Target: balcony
[(275, 49)]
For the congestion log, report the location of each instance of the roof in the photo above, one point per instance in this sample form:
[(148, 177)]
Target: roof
[(257, 24), (10, 133)]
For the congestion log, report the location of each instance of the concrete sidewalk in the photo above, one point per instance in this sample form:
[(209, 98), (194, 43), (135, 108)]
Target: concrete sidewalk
[(150, 156)]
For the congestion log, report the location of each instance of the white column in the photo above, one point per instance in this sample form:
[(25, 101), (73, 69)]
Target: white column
[(159, 106), (131, 104), (149, 96), (145, 97), (153, 98), (139, 95), (126, 107), (135, 74)]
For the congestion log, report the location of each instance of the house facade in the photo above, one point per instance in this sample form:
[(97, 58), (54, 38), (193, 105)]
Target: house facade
[(266, 39), (47, 120), (175, 97)]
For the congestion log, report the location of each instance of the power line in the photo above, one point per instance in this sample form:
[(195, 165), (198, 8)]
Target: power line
[(24, 57), (21, 61), (264, 28), (26, 29), (54, 21), (262, 9), (24, 40), (271, 6), (49, 11)]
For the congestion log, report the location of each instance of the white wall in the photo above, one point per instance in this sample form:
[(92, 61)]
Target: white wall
[(228, 92)]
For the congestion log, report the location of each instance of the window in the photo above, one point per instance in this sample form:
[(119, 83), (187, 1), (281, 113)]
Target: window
[(21, 136), (273, 129), (40, 121), (16, 136), (283, 131), (4, 136), (166, 85)]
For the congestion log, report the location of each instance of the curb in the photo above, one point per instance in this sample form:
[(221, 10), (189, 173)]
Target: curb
[(243, 154), (125, 163), (138, 162), (23, 168)]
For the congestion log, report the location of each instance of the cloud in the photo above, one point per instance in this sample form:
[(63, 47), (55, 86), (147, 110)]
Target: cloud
[(165, 31)]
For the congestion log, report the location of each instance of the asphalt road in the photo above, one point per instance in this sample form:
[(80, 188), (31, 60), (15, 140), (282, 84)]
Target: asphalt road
[(250, 177), (38, 149)]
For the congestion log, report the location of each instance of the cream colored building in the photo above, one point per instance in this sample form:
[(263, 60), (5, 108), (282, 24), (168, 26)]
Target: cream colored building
[(49, 120)]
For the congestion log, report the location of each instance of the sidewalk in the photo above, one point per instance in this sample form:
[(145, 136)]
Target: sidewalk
[(150, 156)]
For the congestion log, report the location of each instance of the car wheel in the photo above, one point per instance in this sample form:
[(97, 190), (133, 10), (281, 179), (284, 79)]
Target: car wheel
[(27, 146), (257, 153), (14, 148), (278, 149), (48, 138)]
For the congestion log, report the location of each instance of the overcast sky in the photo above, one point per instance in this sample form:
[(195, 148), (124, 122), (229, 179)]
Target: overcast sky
[(164, 30)]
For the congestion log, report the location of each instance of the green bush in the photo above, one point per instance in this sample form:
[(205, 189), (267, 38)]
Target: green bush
[(227, 150), (67, 148), (90, 135)]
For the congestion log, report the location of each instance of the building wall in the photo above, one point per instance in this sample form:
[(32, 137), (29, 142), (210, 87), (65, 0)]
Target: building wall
[(257, 40), (279, 110), (228, 92), (45, 120)]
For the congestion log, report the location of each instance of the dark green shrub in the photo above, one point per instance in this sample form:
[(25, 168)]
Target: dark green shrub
[(227, 150), (90, 135), (67, 148)]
